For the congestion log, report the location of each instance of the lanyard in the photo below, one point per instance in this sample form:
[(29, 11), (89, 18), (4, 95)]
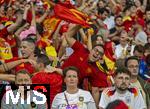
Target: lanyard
[(68, 105)]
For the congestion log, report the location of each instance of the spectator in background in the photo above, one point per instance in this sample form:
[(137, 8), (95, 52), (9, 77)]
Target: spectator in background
[(147, 13), (132, 63), (122, 91), (140, 36), (121, 49)]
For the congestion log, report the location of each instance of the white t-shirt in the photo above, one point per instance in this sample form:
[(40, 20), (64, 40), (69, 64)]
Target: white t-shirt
[(80, 100), (119, 50), (133, 99)]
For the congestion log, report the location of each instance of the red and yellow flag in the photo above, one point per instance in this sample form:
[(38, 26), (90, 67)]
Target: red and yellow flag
[(108, 55), (50, 25), (71, 15)]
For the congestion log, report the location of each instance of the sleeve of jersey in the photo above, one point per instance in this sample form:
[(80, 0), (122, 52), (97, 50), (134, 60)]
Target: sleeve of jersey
[(139, 101), (77, 46)]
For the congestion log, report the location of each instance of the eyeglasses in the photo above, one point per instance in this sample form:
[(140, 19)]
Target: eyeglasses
[(99, 52), (132, 66)]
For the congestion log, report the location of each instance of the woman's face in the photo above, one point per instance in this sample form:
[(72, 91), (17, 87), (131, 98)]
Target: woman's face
[(99, 40), (137, 3), (71, 78)]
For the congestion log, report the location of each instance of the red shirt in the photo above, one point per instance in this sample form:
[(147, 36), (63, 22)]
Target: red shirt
[(79, 59), (53, 79)]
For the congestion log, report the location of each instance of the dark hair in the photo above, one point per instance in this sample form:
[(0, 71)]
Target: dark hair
[(30, 38), (23, 71), (139, 48), (42, 58), (147, 9), (117, 104), (131, 58), (147, 46), (128, 7), (148, 22), (70, 68), (102, 10), (119, 16), (121, 70), (148, 59)]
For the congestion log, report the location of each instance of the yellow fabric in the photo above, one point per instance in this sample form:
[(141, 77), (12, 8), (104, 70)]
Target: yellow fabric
[(110, 64), (50, 51), (50, 25), (5, 53), (8, 23), (127, 18), (100, 67)]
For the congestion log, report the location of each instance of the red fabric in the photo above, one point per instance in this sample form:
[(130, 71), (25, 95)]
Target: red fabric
[(140, 14), (109, 50), (3, 19), (12, 42), (79, 59), (27, 66), (63, 29), (121, 105), (4, 33), (141, 22), (53, 79), (66, 14), (29, 16), (128, 25)]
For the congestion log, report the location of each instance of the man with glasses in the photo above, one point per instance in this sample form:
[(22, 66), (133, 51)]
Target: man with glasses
[(85, 61), (132, 63)]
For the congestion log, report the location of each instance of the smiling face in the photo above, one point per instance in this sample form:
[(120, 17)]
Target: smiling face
[(96, 53), (27, 49), (119, 21)]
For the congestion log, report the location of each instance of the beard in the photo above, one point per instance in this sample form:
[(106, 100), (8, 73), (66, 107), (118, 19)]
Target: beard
[(122, 87)]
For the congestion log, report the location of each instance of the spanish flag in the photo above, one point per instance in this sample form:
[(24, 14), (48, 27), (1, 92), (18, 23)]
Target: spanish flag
[(110, 61), (108, 56), (71, 15), (50, 24)]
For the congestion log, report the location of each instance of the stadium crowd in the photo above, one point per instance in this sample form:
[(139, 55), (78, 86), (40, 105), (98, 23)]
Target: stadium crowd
[(94, 54)]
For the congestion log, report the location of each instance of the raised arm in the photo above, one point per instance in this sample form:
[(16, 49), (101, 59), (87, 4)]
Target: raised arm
[(14, 26), (41, 19), (71, 32)]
